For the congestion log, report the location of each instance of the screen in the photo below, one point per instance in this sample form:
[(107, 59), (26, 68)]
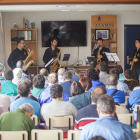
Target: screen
[(68, 33)]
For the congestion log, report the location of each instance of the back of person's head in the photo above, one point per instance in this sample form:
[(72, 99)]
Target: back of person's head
[(97, 92), (114, 71), (119, 67), (2, 68), (23, 89), (75, 71), (52, 78), (61, 72), (97, 138), (128, 74), (17, 73), (92, 74), (106, 104), (27, 80), (76, 88), (93, 64), (44, 72), (39, 81), (104, 66), (67, 75), (19, 40), (86, 83), (8, 74), (56, 91), (112, 80), (20, 64)]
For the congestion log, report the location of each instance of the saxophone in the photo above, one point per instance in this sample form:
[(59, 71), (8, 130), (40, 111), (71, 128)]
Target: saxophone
[(56, 65), (98, 59), (133, 62)]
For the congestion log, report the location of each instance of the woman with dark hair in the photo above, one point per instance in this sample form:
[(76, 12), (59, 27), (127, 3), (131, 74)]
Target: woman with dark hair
[(80, 98), (121, 76), (93, 75)]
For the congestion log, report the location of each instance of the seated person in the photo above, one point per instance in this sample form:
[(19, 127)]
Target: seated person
[(68, 79), (121, 75), (107, 126), (20, 64), (39, 83), (24, 91), (80, 98), (61, 72), (2, 68), (44, 72), (93, 75), (86, 83), (8, 87), (18, 120), (129, 81), (103, 75), (57, 107), (76, 75), (89, 113), (44, 96), (17, 76), (1, 111), (120, 86), (117, 95), (97, 138)]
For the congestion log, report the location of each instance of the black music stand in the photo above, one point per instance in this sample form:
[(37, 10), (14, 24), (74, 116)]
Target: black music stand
[(91, 58), (66, 58)]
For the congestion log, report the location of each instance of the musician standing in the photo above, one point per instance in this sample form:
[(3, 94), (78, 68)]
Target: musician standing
[(51, 52), (18, 54), (102, 49), (136, 66)]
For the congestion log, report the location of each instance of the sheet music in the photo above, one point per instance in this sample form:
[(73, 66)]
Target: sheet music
[(112, 57)]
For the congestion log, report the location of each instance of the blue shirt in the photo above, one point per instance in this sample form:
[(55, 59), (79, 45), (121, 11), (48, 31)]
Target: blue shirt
[(108, 128), (14, 105), (45, 96), (121, 77), (119, 97), (66, 87), (75, 78), (81, 100), (96, 84)]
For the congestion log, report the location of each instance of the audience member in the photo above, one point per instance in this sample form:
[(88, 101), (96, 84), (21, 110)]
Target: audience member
[(17, 76), (93, 75), (103, 75), (80, 98), (117, 95), (97, 138), (2, 68), (38, 82), (68, 79), (137, 87), (86, 83), (107, 126), (121, 76), (61, 72), (76, 75), (57, 107), (24, 91), (44, 72), (129, 81), (1, 111), (120, 86), (44, 96), (18, 120)]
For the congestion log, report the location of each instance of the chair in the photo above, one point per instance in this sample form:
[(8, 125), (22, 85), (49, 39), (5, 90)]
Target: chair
[(35, 119), (74, 134), (126, 100), (126, 118), (59, 121), (137, 108), (13, 135), (37, 134)]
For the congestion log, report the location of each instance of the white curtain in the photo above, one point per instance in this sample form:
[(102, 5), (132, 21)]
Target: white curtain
[(2, 52)]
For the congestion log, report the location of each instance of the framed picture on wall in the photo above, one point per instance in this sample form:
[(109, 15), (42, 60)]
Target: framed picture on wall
[(102, 33), (24, 34)]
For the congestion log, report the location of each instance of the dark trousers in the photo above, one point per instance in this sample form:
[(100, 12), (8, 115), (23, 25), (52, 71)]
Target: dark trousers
[(136, 73)]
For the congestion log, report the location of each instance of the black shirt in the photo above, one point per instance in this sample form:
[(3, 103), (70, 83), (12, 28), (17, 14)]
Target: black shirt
[(15, 56), (137, 64), (102, 52)]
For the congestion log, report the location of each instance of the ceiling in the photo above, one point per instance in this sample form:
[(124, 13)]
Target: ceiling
[(80, 7)]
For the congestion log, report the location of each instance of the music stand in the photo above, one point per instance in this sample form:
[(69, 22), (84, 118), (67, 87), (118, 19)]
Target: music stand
[(91, 58), (66, 58)]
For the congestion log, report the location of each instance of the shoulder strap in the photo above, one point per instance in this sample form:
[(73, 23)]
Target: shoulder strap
[(114, 93)]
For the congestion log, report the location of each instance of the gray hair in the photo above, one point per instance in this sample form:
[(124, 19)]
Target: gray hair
[(61, 71), (20, 64), (67, 75), (106, 104), (52, 78), (17, 73), (112, 80), (2, 68), (27, 108), (75, 70), (44, 72)]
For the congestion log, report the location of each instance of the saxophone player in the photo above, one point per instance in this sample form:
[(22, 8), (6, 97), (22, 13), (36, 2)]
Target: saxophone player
[(51, 52), (99, 52)]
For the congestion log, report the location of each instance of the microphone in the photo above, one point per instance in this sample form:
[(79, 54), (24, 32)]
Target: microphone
[(27, 48)]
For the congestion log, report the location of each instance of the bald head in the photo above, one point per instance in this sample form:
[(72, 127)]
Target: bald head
[(112, 80), (44, 72), (52, 78), (97, 92)]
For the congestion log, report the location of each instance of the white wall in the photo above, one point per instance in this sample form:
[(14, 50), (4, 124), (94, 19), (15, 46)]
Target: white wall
[(123, 17)]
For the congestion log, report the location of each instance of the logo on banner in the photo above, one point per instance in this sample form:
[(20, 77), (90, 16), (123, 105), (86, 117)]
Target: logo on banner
[(99, 18)]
